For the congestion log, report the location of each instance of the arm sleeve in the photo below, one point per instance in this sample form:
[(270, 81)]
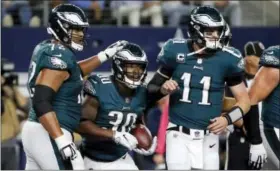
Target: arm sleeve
[(251, 123), (162, 129), (235, 73)]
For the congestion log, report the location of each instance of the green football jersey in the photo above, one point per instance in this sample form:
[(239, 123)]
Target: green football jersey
[(67, 101), (114, 113), (201, 81), (271, 105)]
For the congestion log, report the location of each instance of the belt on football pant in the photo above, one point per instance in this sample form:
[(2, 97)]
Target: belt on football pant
[(184, 130)]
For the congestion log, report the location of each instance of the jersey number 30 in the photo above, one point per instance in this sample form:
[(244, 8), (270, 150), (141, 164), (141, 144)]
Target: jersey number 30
[(205, 92), (122, 122)]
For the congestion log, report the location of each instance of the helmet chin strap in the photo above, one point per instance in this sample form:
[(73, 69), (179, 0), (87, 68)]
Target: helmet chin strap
[(77, 46)]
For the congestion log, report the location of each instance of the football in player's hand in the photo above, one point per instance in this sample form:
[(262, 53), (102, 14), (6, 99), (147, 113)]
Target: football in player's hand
[(143, 136)]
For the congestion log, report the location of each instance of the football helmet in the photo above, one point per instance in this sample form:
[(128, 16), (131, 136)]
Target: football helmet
[(131, 54), (204, 20), (65, 18)]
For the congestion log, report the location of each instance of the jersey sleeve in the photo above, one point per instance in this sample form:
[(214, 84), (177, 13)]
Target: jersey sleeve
[(91, 86), (271, 57), (166, 57), (236, 63), (56, 57)]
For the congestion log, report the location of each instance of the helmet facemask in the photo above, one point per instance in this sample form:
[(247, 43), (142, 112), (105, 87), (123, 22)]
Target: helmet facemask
[(211, 38)]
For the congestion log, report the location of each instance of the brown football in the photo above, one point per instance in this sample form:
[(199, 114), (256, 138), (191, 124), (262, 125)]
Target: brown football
[(143, 136)]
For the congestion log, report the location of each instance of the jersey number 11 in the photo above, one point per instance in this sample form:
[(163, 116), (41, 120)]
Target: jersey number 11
[(205, 92)]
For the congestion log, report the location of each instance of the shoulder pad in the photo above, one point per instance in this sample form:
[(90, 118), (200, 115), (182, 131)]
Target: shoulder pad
[(233, 51), (271, 56), (58, 50), (89, 88), (102, 79)]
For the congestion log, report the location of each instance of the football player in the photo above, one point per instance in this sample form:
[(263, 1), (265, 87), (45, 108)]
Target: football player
[(55, 84), (112, 106), (245, 149), (199, 69), (266, 88)]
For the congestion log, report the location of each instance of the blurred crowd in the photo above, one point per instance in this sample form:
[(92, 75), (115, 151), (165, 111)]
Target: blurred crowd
[(108, 12)]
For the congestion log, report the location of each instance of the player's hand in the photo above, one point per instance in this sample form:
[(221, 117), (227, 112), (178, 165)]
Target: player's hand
[(218, 125), (169, 87), (111, 50), (148, 152), (125, 139), (257, 156), (68, 150)]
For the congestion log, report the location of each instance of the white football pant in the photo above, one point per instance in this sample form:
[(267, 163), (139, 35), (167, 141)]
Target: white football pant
[(39, 148), (194, 151)]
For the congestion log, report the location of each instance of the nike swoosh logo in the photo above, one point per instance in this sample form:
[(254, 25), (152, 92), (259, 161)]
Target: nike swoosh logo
[(212, 145), (60, 55)]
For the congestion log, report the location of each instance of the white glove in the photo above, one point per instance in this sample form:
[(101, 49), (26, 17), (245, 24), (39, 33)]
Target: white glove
[(257, 156), (111, 50), (149, 151), (68, 150), (125, 139)]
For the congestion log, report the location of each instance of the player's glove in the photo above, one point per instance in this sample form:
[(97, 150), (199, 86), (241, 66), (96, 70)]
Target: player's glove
[(125, 139), (111, 50), (257, 156), (68, 150), (149, 151)]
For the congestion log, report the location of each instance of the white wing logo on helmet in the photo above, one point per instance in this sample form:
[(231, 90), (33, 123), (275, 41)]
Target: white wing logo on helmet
[(72, 18)]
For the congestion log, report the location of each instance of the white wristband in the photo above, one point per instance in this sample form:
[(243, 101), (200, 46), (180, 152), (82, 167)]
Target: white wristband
[(61, 141), (102, 56)]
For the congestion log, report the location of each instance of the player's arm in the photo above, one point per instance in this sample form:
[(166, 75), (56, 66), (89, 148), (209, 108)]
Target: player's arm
[(242, 104), (154, 87), (265, 80), (241, 107), (89, 113), (89, 64), (47, 84), (228, 103), (166, 58)]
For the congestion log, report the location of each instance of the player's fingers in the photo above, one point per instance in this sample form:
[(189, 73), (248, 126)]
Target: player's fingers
[(167, 87), (218, 130), (212, 125), (174, 83)]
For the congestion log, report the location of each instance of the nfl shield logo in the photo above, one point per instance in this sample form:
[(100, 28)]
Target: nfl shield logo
[(196, 133)]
